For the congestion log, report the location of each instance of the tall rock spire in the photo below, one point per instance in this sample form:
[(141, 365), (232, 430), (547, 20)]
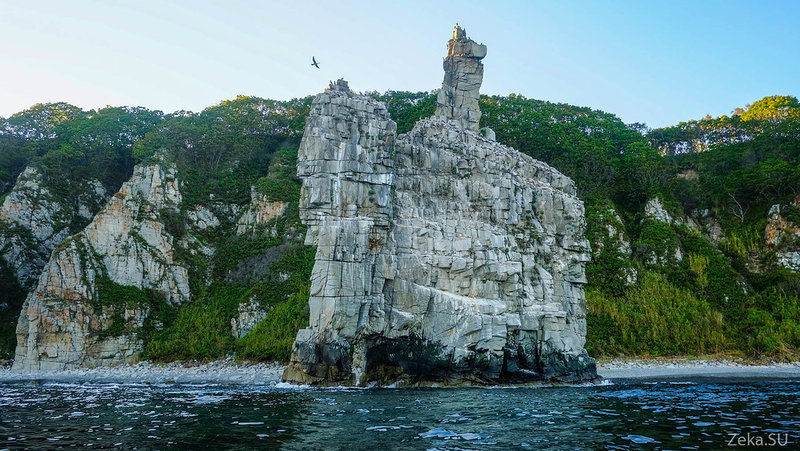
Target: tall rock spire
[(463, 74)]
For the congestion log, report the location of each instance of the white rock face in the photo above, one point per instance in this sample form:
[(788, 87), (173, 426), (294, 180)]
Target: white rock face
[(35, 222), (59, 328), (711, 228), (783, 235), (260, 211), (441, 255), (202, 218), (654, 209), (790, 259)]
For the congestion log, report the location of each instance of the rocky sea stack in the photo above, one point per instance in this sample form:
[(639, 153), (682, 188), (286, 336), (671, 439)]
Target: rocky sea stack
[(442, 255)]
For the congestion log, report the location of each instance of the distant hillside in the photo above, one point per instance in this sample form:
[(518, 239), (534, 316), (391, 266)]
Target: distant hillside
[(690, 254)]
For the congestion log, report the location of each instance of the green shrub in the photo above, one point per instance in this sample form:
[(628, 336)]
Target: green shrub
[(114, 298), (721, 284), (281, 182), (791, 213), (608, 271), (653, 317), (200, 331), (657, 240), (272, 339), (698, 265), (13, 296), (174, 222)]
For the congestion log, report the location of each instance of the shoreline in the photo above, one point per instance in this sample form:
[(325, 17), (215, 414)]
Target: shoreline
[(695, 369), (220, 372), (230, 372)]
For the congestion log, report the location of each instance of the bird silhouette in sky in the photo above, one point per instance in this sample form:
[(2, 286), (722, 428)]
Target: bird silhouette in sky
[(314, 62)]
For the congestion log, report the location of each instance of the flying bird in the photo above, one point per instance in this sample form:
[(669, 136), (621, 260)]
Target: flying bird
[(314, 62)]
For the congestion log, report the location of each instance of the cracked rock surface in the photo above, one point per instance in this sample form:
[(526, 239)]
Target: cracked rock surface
[(442, 256), (63, 325), (33, 221)]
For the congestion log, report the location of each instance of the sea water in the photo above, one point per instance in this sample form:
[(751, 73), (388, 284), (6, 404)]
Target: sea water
[(618, 415)]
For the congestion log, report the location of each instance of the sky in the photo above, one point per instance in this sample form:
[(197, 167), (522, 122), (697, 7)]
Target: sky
[(657, 62)]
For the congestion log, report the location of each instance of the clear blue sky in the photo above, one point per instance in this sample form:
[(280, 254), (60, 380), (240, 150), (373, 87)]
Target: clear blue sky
[(646, 61)]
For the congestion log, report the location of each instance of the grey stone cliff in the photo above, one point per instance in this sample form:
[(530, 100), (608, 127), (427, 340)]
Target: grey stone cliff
[(61, 327), (33, 221), (442, 256)]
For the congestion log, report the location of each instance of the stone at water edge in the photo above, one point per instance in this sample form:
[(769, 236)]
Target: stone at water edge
[(441, 256)]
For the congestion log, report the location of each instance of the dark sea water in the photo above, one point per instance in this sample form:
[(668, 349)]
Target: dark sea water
[(622, 415)]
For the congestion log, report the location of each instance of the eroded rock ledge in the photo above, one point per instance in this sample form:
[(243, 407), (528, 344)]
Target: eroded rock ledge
[(442, 256)]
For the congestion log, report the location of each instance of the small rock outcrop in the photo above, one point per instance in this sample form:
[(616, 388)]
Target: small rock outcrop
[(259, 213), (248, 315), (783, 235), (667, 249), (609, 237), (64, 323), (442, 256), (654, 209), (710, 227)]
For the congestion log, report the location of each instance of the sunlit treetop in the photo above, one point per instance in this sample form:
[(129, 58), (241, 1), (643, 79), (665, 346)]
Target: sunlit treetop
[(770, 108), (40, 120)]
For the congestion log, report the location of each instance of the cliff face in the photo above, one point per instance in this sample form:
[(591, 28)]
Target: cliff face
[(442, 256), (35, 216), (66, 322), (33, 221)]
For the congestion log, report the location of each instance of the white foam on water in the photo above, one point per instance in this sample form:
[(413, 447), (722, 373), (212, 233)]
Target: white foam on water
[(450, 435), (209, 399), (288, 386), (384, 428), (639, 439)]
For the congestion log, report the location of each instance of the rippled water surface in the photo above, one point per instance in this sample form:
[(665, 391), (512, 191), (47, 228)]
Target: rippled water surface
[(625, 415)]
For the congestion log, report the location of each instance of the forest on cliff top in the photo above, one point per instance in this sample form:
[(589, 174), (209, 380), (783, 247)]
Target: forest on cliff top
[(686, 259)]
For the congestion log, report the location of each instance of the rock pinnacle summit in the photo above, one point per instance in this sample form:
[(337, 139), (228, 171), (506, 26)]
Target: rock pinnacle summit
[(463, 75)]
